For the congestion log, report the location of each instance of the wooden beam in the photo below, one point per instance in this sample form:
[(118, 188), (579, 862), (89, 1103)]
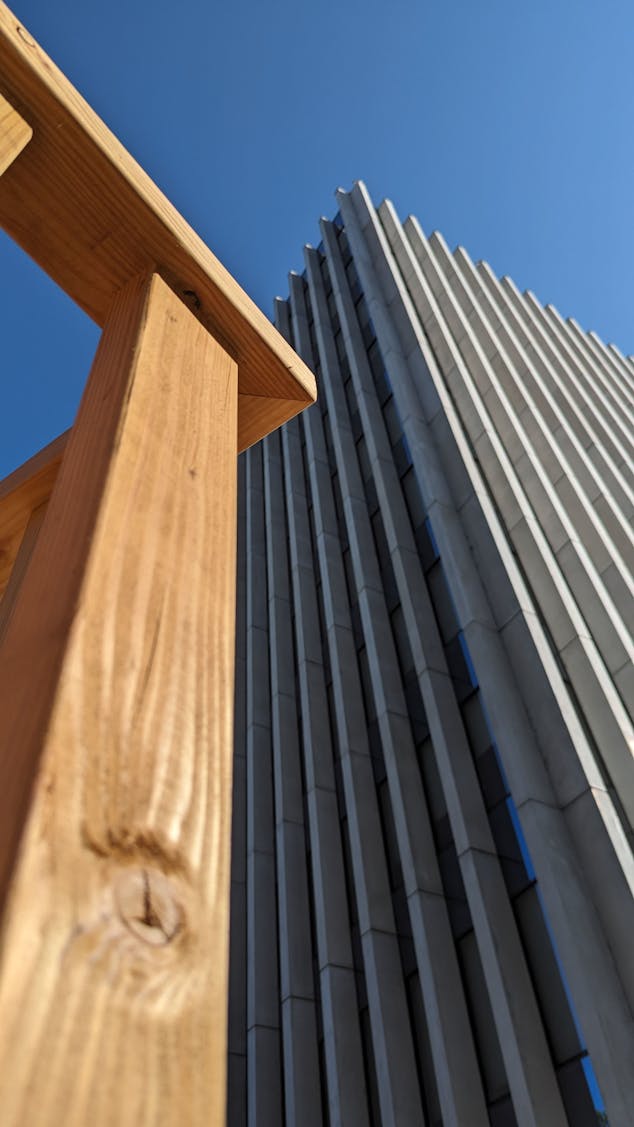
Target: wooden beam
[(14, 134), (116, 700), (19, 564), (79, 204), (26, 489), (261, 414)]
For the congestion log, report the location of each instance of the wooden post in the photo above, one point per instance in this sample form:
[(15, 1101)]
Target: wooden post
[(116, 693)]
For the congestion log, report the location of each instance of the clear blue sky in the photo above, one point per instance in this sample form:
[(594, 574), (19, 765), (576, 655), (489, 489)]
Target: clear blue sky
[(506, 125)]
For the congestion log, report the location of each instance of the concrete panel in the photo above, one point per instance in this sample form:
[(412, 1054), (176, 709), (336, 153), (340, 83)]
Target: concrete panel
[(264, 1079), (302, 1089)]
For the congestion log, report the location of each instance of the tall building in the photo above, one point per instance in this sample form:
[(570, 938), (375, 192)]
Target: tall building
[(432, 912)]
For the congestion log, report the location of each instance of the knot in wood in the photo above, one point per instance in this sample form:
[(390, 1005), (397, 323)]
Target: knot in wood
[(147, 903), (24, 35)]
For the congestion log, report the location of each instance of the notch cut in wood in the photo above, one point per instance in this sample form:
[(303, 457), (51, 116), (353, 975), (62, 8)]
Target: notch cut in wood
[(15, 133)]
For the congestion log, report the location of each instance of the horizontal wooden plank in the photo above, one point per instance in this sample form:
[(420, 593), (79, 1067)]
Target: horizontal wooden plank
[(32, 483), (260, 415), (29, 479), (22, 556), (22, 492), (14, 134), (81, 206)]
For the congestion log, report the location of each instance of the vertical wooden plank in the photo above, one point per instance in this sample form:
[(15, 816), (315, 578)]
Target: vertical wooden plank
[(15, 133), (116, 685)]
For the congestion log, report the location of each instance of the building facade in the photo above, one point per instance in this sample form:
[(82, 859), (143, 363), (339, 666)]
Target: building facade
[(432, 912)]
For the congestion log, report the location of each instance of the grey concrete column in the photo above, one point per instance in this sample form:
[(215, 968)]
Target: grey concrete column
[(398, 1089), (554, 442), (588, 374), (265, 1100), (299, 1025), (416, 285), (343, 1056), (517, 752), (575, 406), (466, 819), (237, 1022), (457, 1076), (518, 403)]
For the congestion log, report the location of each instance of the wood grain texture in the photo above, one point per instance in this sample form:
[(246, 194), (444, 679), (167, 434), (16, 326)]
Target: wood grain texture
[(83, 209), (259, 415), (120, 653), (24, 490), (14, 134)]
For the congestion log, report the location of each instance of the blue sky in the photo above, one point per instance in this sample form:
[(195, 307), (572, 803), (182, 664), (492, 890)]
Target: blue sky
[(506, 125)]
